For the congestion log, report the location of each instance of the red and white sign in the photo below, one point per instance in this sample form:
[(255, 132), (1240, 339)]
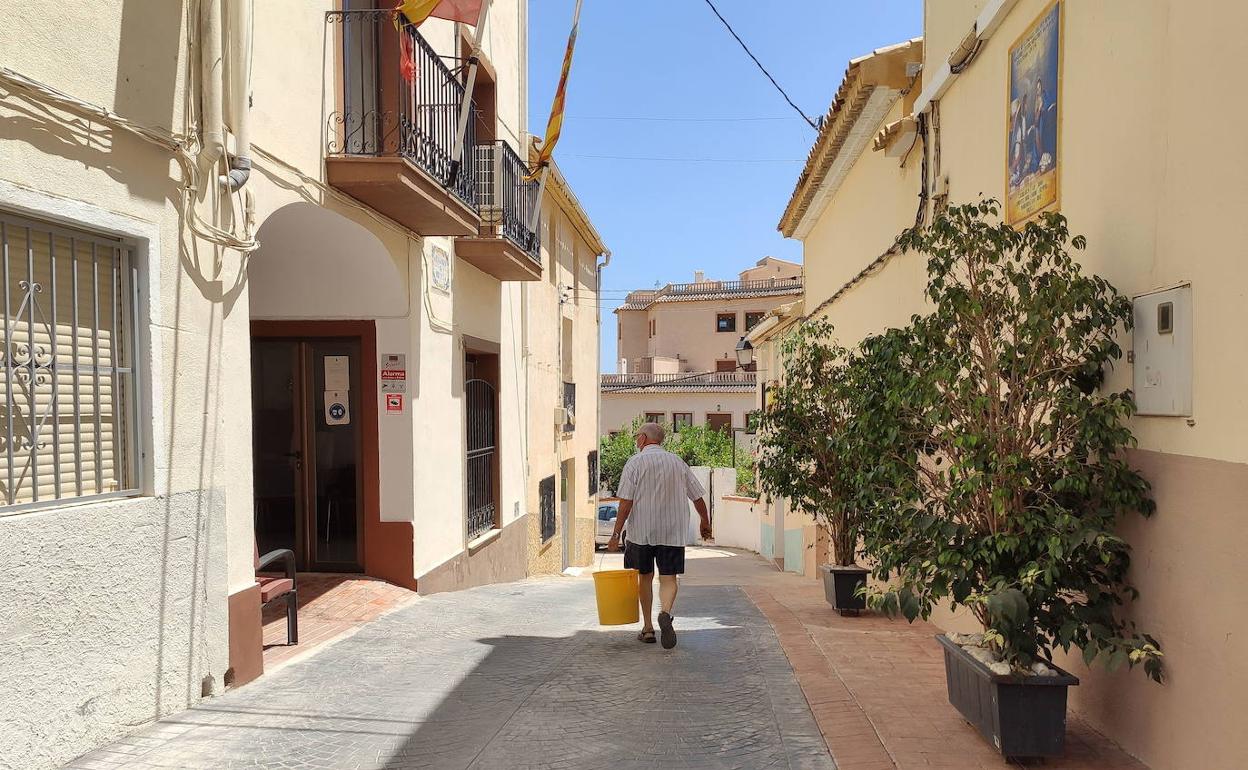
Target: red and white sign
[(394, 373), (394, 403)]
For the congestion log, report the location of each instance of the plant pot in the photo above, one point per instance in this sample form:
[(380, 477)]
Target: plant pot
[(1021, 716), (840, 587)]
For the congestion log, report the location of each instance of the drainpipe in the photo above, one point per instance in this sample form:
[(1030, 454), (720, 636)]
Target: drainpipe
[(239, 43), (606, 260), (210, 83)]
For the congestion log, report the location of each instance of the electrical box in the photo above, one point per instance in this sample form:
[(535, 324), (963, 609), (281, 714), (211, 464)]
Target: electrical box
[(1163, 352)]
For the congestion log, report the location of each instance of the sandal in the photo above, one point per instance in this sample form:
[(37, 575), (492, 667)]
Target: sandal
[(669, 633), (647, 637)]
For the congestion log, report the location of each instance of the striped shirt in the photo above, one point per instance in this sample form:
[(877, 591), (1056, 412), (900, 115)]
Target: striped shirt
[(660, 486)]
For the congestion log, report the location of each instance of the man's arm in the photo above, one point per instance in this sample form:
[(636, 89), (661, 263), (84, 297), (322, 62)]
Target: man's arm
[(700, 506), (626, 507)]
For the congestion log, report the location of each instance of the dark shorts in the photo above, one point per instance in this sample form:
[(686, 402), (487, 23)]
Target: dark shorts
[(643, 558)]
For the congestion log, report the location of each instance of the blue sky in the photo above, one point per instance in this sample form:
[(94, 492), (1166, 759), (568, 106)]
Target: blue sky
[(664, 79)]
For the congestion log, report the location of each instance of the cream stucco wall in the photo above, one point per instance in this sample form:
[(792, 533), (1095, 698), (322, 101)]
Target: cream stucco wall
[(114, 613), (569, 263), (1156, 186)]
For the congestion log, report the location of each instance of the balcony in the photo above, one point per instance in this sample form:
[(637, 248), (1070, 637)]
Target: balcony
[(507, 245), (699, 381), (390, 142)]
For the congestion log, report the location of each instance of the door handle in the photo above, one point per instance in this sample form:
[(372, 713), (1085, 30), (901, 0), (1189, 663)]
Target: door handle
[(297, 456)]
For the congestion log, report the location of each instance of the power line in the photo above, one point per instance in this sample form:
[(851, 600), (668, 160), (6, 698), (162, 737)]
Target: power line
[(749, 53), (688, 160), (657, 119)]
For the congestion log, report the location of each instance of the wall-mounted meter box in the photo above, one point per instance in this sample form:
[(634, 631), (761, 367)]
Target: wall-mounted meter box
[(1163, 352)]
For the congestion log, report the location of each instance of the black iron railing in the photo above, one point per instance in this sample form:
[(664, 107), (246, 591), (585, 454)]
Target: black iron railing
[(507, 201), (482, 440), (546, 499), (383, 113)]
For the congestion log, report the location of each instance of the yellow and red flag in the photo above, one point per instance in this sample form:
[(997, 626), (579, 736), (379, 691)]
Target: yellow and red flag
[(554, 126), (416, 11)]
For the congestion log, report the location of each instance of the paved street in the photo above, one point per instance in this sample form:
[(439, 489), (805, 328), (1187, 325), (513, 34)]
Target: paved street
[(509, 676)]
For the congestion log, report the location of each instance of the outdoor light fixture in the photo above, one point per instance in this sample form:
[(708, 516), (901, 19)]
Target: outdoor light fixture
[(745, 353)]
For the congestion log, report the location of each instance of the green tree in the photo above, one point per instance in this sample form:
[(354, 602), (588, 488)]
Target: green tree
[(695, 444), (1000, 475), (803, 435)]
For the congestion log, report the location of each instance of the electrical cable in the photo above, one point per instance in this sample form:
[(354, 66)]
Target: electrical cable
[(749, 53)]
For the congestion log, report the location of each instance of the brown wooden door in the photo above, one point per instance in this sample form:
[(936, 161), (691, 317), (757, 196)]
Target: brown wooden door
[(306, 415), (720, 422)]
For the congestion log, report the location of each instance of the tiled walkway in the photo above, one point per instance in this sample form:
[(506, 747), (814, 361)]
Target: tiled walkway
[(329, 606)]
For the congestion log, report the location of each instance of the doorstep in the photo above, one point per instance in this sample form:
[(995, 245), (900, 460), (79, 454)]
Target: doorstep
[(330, 607), (877, 690)]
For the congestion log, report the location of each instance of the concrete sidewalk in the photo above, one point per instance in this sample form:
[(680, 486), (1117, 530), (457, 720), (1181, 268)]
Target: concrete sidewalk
[(509, 676)]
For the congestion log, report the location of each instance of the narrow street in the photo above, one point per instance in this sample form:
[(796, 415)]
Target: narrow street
[(515, 675)]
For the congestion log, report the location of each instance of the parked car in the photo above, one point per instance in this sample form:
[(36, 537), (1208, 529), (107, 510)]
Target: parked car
[(607, 513)]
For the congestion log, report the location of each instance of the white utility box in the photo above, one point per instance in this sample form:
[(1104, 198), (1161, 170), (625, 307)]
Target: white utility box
[(1163, 352)]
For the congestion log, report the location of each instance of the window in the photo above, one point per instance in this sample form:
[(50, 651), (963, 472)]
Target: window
[(546, 499), (725, 322), (752, 319), (591, 463), (751, 421), (719, 422), (70, 387), (681, 420), (726, 365), (656, 417), (481, 437)]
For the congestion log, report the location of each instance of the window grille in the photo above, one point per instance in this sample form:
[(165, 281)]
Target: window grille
[(69, 393), (546, 494), (591, 462)]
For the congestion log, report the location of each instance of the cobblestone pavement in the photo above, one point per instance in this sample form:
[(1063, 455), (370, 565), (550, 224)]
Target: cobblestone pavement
[(510, 676)]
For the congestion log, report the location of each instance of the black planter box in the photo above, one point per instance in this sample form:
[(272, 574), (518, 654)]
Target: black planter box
[(840, 587), (1020, 716)]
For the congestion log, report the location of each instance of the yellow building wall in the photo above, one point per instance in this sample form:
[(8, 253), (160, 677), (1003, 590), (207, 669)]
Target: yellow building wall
[(1152, 172)]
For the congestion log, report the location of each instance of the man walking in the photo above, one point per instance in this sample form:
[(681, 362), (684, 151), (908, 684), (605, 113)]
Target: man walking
[(654, 488)]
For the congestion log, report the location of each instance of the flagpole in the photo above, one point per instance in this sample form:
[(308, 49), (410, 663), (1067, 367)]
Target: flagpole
[(465, 108), (541, 185)]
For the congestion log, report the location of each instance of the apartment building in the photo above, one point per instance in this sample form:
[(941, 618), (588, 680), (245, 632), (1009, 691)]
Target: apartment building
[(260, 294), (1122, 147), (677, 348)]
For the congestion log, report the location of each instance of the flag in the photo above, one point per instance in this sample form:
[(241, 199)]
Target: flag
[(416, 11), (554, 126)]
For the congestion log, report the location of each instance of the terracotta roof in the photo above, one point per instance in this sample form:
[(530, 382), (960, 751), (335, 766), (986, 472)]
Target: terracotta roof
[(712, 291), (882, 68)]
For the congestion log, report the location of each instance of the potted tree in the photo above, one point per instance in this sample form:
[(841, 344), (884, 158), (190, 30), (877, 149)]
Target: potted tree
[(802, 433), (1006, 477)]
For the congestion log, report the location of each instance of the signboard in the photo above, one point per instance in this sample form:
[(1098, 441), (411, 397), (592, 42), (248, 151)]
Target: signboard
[(394, 373), (337, 407), (337, 373), (1033, 159), (394, 403)]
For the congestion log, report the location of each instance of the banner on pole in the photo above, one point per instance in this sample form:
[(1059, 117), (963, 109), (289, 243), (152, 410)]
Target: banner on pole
[(554, 126)]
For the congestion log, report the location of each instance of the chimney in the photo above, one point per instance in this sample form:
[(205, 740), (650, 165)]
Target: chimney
[(699, 276)]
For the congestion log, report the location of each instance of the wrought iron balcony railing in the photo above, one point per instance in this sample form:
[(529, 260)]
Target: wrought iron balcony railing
[(383, 113), (507, 201)]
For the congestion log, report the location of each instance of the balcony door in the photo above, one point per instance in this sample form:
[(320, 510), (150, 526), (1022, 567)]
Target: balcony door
[(306, 414)]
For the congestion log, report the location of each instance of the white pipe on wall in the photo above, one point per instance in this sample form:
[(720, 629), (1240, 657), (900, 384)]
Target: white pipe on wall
[(211, 78), (239, 46)]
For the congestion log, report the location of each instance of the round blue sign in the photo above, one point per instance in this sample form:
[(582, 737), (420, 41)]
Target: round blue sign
[(337, 411)]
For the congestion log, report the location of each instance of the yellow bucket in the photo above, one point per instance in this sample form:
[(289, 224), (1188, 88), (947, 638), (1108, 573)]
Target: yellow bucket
[(616, 590)]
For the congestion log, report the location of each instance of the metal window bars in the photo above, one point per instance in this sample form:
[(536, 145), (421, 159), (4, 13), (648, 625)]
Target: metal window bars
[(591, 463), (481, 435), (69, 393), (506, 200), (382, 113), (546, 500)]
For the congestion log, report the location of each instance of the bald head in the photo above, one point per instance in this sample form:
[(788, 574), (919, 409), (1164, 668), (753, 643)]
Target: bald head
[(651, 432)]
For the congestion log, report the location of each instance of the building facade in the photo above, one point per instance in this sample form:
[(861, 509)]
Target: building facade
[(561, 348), (1122, 148), (261, 293), (677, 348)]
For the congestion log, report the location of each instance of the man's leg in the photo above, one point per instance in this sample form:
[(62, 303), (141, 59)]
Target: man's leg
[(667, 593), (645, 593)]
